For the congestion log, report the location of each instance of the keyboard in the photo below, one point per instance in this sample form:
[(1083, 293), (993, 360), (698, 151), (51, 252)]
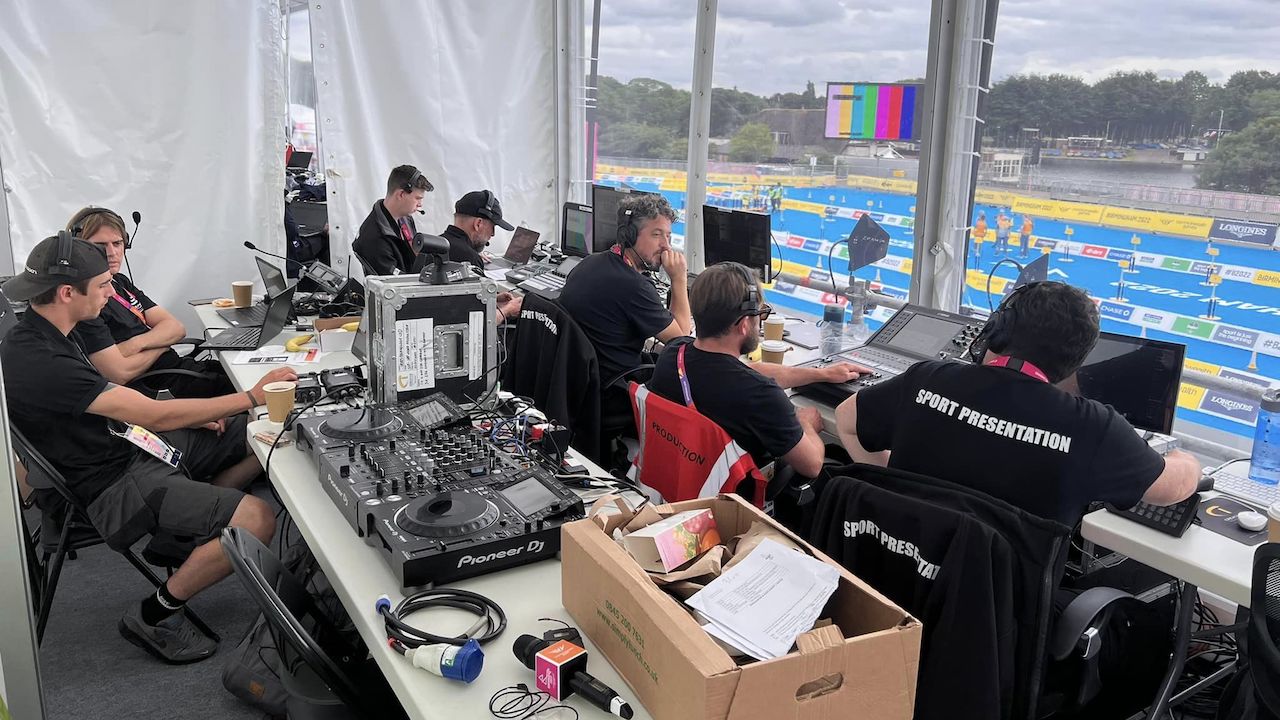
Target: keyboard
[(548, 285), (1168, 519), (1236, 483), (235, 339), (522, 273), (243, 317)]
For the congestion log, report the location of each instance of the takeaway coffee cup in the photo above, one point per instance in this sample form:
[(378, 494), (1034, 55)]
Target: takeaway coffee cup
[(280, 399), (242, 293), (1273, 523), (773, 328), (773, 350)]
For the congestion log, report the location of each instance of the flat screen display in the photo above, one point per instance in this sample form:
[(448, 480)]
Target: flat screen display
[(575, 230), (924, 336), (1137, 376), (529, 496), (874, 111), (736, 236), (604, 215)]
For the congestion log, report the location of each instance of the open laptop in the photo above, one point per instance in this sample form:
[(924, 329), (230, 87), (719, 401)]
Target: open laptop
[(299, 160), (274, 281), (519, 250), (252, 338)]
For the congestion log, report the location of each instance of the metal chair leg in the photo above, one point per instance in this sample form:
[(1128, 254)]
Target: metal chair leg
[(150, 574), (51, 581)]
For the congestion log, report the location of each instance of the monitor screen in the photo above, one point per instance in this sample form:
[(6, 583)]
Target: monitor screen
[(1136, 376), (575, 230), (604, 215), (736, 235), (874, 111), (924, 335)]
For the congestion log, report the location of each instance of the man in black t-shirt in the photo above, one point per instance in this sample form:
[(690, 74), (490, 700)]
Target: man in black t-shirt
[(133, 335), (747, 401), (80, 422), (1004, 429), (475, 216), (616, 306)]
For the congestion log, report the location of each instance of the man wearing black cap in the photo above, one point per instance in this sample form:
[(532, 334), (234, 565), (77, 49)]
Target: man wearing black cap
[(385, 244), (475, 216), (180, 487)]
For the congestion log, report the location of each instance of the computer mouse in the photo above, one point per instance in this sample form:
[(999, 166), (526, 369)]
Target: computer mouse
[(1252, 521), (1205, 484)]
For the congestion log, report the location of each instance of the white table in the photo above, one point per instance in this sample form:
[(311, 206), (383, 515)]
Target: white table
[(360, 575)]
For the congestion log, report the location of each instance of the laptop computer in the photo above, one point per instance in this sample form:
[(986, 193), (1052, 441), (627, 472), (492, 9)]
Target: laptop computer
[(252, 338), (519, 250), (274, 281), (299, 160)]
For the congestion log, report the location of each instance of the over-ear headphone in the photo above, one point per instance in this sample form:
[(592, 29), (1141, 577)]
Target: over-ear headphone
[(751, 303), (489, 202), (413, 179), (76, 225), (62, 261), (998, 331), (628, 230)]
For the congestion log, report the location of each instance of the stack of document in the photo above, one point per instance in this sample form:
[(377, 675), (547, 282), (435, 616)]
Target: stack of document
[(762, 604)]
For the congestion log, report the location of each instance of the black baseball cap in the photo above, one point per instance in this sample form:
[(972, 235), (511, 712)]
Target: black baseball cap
[(43, 270), (482, 204)]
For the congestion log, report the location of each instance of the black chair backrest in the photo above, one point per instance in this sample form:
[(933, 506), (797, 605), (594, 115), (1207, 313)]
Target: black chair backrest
[(285, 602), (1264, 626)]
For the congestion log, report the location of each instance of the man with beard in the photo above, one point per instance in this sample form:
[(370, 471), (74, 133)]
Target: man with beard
[(747, 401), (475, 216)]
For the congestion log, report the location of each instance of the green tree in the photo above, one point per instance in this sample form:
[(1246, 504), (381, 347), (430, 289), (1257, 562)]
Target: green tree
[(752, 143), (637, 140), (1246, 161), (1059, 105), (730, 109), (1265, 103)]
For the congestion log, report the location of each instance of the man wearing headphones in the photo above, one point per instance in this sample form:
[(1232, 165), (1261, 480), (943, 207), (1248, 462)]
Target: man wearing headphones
[(1001, 426), (385, 242), (615, 305), (747, 401), (475, 216), (133, 335), (182, 487)]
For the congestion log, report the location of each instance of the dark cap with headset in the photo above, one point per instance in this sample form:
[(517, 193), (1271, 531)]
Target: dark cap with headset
[(59, 260), (482, 204)]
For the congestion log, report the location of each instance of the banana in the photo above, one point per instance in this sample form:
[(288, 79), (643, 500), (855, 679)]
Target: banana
[(295, 344), (352, 326)]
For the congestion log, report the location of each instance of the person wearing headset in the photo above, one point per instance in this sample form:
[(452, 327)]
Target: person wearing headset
[(385, 244), (134, 334), (475, 217), (103, 439), (1001, 426), (747, 401), (617, 307)]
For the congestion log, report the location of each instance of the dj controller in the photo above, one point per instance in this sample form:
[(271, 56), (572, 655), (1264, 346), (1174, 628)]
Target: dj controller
[(419, 482)]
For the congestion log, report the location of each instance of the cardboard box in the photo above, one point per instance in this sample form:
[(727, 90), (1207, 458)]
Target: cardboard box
[(674, 541), (864, 666)]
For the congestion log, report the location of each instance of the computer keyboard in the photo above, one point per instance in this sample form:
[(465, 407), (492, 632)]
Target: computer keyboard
[(237, 338), (241, 317), (1168, 519), (1234, 481)]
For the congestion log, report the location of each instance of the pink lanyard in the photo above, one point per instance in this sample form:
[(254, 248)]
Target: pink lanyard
[(684, 378), (1021, 366)]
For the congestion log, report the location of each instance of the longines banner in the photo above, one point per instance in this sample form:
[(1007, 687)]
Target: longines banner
[(1243, 231)]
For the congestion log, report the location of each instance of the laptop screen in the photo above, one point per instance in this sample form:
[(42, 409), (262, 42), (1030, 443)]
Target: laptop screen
[(277, 313), (272, 278), (520, 249)]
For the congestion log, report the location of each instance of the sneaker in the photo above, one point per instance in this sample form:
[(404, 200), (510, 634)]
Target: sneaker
[(175, 640)]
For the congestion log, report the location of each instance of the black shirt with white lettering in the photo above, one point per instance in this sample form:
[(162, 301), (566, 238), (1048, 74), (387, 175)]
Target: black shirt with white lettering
[(49, 385), (755, 412), (1009, 435)]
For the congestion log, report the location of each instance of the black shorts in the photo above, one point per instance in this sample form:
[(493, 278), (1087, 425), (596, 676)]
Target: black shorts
[(152, 498)]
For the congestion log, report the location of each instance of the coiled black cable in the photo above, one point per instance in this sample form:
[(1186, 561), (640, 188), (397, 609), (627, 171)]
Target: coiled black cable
[(490, 625)]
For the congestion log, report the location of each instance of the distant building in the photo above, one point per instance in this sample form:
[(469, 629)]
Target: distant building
[(797, 133)]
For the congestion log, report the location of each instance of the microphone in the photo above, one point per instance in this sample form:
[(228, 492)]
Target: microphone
[(561, 670), (257, 249), (137, 220), (421, 211)]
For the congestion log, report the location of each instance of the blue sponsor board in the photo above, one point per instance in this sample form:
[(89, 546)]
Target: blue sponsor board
[(813, 245), (1046, 244), (1152, 318), (1235, 336), (878, 217), (784, 287), (1256, 382), (830, 210), (1236, 408), (1255, 233), (894, 293), (1120, 255), (1115, 311)]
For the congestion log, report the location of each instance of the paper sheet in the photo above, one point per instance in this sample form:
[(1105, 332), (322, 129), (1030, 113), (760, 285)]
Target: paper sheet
[(275, 355), (764, 602)]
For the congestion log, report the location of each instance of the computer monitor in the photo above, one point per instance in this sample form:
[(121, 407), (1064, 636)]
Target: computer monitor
[(1139, 377), (604, 215), (737, 236), (299, 160), (575, 230)]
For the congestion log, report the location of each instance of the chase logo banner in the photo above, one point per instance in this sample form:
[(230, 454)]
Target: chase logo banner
[(1243, 231), (1115, 311)]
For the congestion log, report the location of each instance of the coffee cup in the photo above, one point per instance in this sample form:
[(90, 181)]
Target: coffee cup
[(773, 350), (242, 293), (280, 399), (1273, 523), (773, 328)]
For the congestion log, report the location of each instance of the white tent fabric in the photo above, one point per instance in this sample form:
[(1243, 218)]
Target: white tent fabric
[(176, 110), (463, 91)]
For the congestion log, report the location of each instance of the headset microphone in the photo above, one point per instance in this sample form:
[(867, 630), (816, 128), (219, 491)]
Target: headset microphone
[(137, 220)]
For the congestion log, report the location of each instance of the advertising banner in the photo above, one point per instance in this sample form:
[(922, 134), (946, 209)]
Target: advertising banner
[(1243, 231)]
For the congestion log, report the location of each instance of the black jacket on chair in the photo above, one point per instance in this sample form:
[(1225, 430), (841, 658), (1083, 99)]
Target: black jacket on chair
[(551, 361), (978, 572), (381, 248)]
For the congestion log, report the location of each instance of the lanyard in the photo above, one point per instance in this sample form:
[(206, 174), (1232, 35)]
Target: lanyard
[(131, 304), (1021, 366), (617, 250), (684, 378)]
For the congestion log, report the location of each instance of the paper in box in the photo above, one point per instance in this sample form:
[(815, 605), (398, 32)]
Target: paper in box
[(864, 665), (673, 541)]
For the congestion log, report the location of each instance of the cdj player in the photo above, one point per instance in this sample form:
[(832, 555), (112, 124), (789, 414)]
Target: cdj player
[(913, 334)]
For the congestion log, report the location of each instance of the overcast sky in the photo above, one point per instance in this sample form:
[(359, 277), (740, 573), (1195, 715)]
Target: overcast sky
[(768, 46)]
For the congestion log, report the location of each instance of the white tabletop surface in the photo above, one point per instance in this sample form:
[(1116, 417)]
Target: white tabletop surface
[(360, 575)]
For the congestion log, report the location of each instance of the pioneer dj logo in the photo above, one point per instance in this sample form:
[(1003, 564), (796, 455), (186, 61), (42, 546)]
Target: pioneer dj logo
[(533, 548)]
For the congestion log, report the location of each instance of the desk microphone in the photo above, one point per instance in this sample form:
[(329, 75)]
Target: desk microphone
[(257, 249), (561, 670)]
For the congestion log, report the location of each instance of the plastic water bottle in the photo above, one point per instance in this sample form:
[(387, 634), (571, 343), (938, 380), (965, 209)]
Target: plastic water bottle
[(831, 340), (856, 331), (1265, 462)]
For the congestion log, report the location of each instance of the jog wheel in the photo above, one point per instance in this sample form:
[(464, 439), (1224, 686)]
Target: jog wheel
[(367, 423), (447, 514)]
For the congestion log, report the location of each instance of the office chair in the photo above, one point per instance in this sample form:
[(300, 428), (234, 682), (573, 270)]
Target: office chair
[(1263, 647), (970, 550), (318, 687), (62, 534)]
